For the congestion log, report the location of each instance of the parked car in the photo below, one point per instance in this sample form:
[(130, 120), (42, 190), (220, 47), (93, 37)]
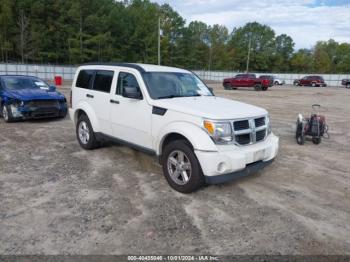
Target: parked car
[(246, 80), (278, 81), (310, 81), (170, 113), (269, 78), (346, 83), (25, 97)]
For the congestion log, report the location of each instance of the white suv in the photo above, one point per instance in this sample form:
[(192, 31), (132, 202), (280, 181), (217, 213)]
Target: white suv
[(170, 113)]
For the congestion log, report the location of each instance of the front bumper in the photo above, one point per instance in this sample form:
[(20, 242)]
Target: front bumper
[(38, 112), (231, 161)]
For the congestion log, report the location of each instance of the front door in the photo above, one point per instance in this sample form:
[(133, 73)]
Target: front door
[(130, 118)]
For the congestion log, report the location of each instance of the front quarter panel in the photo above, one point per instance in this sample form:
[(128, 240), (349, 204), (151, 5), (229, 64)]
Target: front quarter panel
[(188, 126)]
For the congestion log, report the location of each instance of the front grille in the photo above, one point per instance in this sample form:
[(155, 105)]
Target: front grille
[(259, 122), (43, 103), (260, 135), (243, 139), (250, 131), (241, 125)]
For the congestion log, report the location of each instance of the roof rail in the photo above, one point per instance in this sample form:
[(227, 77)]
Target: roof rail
[(134, 66)]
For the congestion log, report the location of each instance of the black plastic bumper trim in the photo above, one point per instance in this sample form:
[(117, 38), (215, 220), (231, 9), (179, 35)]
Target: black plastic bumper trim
[(251, 168)]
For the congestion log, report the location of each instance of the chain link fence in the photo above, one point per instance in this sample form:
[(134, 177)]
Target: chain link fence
[(333, 80), (48, 72)]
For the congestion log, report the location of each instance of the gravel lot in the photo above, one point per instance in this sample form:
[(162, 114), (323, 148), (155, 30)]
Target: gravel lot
[(56, 198)]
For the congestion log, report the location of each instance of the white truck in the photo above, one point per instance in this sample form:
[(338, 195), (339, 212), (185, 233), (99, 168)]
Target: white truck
[(170, 113)]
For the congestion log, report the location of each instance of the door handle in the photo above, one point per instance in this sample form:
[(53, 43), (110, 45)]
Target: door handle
[(89, 96), (114, 102)]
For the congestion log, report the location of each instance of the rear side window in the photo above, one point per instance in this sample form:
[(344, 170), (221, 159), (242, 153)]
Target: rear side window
[(103, 81), (126, 80), (85, 78)]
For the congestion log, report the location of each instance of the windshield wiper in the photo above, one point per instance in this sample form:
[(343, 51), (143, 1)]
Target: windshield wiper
[(174, 96)]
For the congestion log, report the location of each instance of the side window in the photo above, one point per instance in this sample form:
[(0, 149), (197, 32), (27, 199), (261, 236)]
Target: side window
[(103, 81), (126, 80), (84, 79)]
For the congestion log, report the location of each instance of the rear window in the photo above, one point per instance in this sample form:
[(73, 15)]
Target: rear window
[(85, 78), (103, 81)]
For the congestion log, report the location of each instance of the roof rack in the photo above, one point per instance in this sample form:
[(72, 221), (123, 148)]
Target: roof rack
[(134, 66)]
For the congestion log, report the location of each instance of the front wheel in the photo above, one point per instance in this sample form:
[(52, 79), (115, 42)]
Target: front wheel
[(264, 88), (313, 84), (181, 167), (316, 140), (227, 86), (6, 114), (348, 86), (85, 133), (276, 83), (299, 134)]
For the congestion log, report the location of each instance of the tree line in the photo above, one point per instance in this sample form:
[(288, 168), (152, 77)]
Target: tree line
[(78, 31)]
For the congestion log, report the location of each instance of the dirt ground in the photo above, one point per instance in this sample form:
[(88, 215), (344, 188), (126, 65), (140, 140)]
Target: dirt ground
[(56, 198)]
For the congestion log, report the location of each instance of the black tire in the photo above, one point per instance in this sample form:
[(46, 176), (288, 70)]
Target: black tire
[(7, 114), (264, 88), (299, 134), (90, 142), (316, 140), (348, 86), (313, 84), (258, 87), (195, 179), (276, 83), (296, 83), (227, 86)]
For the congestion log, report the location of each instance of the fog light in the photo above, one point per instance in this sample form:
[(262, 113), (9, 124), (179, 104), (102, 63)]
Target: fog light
[(15, 112), (221, 167)]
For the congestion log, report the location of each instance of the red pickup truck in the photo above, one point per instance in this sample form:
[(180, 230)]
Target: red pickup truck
[(247, 80)]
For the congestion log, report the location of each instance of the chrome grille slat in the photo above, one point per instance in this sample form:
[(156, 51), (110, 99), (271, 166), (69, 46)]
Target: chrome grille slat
[(250, 131)]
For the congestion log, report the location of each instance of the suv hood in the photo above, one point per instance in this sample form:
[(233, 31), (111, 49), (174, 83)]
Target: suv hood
[(29, 94), (211, 107)]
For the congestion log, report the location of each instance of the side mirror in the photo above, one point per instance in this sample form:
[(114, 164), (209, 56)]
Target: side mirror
[(132, 92), (52, 88)]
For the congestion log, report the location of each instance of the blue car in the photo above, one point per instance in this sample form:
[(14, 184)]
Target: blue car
[(27, 97)]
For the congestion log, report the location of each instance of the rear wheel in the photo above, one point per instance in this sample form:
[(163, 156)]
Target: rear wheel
[(7, 114), (348, 85), (257, 87), (276, 83), (313, 84), (181, 167), (85, 133), (264, 88)]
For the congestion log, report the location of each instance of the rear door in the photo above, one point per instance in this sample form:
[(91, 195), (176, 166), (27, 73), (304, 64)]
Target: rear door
[(131, 118), (93, 88), (99, 97)]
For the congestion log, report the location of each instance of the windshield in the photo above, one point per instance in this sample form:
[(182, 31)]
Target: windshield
[(19, 82), (168, 85)]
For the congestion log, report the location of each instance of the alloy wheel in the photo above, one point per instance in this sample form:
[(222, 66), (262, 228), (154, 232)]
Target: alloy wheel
[(84, 132), (179, 167)]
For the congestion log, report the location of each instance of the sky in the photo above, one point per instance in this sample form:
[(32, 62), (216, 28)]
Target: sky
[(306, 21)]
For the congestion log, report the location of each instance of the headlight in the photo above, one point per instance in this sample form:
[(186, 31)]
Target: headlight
[(221, 132), (268, 122), (17, 103)]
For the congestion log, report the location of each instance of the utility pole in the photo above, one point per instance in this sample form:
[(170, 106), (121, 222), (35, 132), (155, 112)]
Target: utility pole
[(159, 41), (249, 47)]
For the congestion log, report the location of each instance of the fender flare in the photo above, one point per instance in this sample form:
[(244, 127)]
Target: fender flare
[(197, 136), (84, 106)]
